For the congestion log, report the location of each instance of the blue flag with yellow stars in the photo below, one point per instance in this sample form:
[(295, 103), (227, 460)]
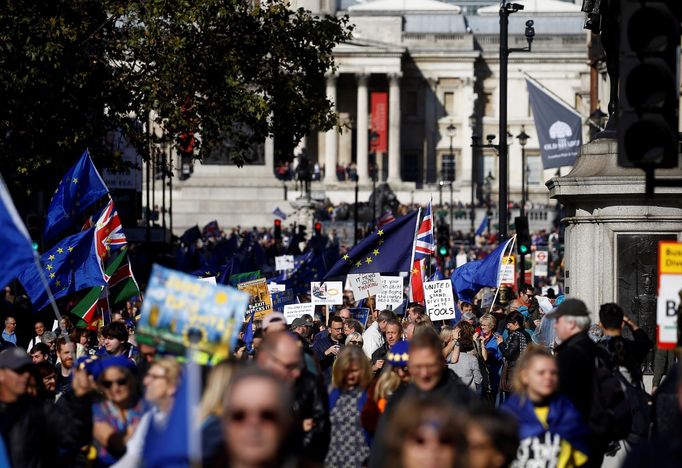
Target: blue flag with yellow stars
[(388, 250), (69, 266), (81, 187)]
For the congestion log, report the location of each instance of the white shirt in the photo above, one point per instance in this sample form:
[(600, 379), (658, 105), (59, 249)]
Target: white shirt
[(372, 340)]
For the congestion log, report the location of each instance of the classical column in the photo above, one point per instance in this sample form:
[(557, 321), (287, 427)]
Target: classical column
[(394, 128), (362, 129), (331, 138), (430, 169)]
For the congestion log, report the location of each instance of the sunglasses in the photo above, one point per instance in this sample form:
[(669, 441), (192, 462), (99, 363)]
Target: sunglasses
[(355, 342), (238, 416), (119, 382)]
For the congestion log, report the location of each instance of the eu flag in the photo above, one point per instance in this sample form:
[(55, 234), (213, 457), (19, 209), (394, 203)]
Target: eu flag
[(471, 277), (15, 244), (388, 250), (81, 187), (71, 265)]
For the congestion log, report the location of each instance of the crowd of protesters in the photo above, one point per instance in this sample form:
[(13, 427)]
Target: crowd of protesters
[(498, 388)]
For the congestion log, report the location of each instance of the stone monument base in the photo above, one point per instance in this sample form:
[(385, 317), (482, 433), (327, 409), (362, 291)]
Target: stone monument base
[(612, 229)]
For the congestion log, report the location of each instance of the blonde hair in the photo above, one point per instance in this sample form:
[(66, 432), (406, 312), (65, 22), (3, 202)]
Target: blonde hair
[(532, 352), (445, 333), (488, 318), (387, 383), (171, 367), (216, 387), (348, 356)]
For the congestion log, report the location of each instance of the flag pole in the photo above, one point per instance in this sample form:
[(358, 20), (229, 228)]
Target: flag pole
[(497, 290), (414, 244), (46, 285), (432, 238)]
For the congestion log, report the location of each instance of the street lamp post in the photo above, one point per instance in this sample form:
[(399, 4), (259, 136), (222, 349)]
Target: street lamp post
[(452, 131), (472, 210), (507, 8), (488, 185), (523, 139)]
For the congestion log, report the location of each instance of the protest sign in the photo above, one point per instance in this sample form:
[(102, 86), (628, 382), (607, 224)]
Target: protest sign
[(282, 298), (668, 300), (260, 303), (365, 285), (178, 305), (360, 314), (328, 293), (294, 311), (391, 294), (284, 262), (461, 259), (440, 304), (275, 287), (507, 269), (208, 279)]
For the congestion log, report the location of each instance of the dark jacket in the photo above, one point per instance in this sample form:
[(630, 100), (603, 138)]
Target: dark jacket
[(449, 388), (311, 402), (514, 345), (41, 434), (576, 358), (321, 345), (629, 353)]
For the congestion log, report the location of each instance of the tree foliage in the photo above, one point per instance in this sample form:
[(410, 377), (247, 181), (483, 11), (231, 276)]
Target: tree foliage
[(224, 70)]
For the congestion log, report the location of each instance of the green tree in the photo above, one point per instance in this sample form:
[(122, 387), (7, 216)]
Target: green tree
[(224, 70)]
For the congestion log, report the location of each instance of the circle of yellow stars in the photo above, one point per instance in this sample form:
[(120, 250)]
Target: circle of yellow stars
[(51, 268), (370, 257)]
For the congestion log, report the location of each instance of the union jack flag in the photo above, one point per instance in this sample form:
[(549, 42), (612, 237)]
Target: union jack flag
[(386, 218), (108, 232), (424, 246)]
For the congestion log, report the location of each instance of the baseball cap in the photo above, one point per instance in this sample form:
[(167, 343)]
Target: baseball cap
[(274, 317), (14, 358), (572, 307), (301, 322)]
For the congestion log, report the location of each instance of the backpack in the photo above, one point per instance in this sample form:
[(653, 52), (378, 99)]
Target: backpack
[(610, 417)]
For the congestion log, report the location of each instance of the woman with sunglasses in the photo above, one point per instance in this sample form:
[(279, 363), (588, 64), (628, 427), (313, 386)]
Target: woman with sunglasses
[(117, 416), (257, 421), (160, 384), (349, 445)]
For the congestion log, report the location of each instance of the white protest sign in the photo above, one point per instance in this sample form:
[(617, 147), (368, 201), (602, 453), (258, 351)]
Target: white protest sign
[(507, 269), (209, 279), (461, 259), (284, 262), (391, 294), (276, 287), (365, 284), (327, 293), (440, 304), (294, 311), (669, 286)]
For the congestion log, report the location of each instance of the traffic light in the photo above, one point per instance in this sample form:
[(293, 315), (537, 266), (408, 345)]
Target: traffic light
[(186, 143), (318, 229), (648, 98), (448, 168), (443, 234), (523, 241), (278, 230)]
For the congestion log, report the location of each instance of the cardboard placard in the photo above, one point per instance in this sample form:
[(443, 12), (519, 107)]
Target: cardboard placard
[(282, 298), (260, 303), (208, 279), (507, 269), (440, 304), (177, 303), (276, 287), (294, 311), (284, 262), (365, 285), (328, 293), (391, 294), (360, 314), (668, 300)]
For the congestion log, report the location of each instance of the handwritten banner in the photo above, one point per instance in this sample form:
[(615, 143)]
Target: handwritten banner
[(440, 304), (365, 285), (391, 294), (284, 262), (294, 311)]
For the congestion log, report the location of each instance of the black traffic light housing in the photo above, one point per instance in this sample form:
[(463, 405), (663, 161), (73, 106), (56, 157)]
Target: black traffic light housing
[(318, 229), (443, 239), (523, 240), (649, 86), (278, 230)]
